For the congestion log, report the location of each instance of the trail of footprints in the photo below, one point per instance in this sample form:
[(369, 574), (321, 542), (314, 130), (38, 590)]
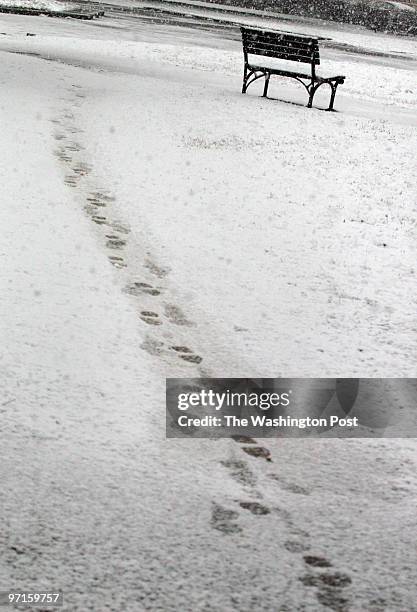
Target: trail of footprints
[(115, 234), (330, 586)]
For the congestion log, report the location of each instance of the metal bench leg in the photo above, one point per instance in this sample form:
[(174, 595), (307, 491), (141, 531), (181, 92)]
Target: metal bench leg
[(332, 97), (245, 79), (311, 96), (267, 77)]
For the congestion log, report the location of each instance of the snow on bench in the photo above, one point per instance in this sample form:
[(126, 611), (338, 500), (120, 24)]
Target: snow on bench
[(290, 47)]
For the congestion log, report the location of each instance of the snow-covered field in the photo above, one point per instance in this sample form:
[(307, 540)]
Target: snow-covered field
[(146, 205), (45, 5)]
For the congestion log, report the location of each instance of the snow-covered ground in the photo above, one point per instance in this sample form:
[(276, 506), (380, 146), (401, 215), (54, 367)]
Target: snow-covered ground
[(147, 204), (45, 5), (402, 6)]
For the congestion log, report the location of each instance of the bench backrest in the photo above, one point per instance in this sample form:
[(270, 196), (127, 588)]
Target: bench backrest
[(282, 45)]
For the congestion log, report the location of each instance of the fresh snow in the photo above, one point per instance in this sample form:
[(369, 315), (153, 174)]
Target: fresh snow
[(277, 241), (402, 6), (47, 5)]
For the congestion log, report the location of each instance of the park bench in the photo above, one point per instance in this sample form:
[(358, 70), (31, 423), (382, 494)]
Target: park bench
[(285, 46)]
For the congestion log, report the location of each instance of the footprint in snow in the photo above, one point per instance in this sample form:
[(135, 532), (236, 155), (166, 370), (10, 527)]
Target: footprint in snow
[(152, 346), (315, 561), (99, 219), (175, 315), (240, 472), (117, 262), (187, 354), (223, 520), (149, 317), (258, 451), (295, 546), (329, 585), (191, 358), (119, 227), (255, 508), (139, 288), (70, 180), (114, 242), (156, 270)]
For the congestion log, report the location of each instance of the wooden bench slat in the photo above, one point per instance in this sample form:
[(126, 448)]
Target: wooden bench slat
[(303, 42), (282, 45), (247, 32), (283, 72), (289, 56), (278, 51)]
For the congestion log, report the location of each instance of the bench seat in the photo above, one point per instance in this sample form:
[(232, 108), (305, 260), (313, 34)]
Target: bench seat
[(300, 75)]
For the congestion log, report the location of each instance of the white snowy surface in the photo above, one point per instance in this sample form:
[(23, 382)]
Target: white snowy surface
[(261, 227), (48, 5), (402, 6)]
